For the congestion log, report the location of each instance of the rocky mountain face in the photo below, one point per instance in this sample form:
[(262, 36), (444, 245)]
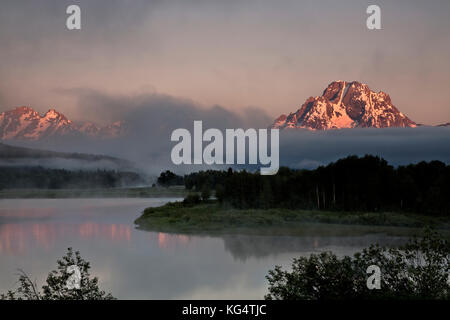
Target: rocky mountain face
[(346, 105), (24, 123)]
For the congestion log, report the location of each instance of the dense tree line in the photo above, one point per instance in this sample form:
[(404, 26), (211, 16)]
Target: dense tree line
[(168, 178), (44, 178), (366, 183), (197, 181)]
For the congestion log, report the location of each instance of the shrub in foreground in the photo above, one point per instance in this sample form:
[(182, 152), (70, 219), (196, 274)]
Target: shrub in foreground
[(56, 287), (418, 270)]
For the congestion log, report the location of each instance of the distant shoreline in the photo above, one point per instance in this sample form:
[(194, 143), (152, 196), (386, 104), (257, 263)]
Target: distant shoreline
[(137, 192)]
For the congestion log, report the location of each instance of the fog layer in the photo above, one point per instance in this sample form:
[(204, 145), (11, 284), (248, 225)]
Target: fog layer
[(151, 118)]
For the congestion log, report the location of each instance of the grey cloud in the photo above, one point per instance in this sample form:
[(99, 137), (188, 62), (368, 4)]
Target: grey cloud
[(150, 119)]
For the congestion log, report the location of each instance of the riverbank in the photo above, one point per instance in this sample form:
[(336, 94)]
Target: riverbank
[(138, 192), (212, 218)]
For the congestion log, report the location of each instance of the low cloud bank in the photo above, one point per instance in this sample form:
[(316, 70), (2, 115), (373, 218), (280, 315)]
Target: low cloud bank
[(399, 146), (151, 118)]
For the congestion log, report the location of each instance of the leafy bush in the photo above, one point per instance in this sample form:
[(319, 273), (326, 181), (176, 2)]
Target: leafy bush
[(206, 193), (56, 285), (418, 270), (191, 199)]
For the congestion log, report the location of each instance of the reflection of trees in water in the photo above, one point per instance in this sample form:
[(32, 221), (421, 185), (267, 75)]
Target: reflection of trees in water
[(243, 247)]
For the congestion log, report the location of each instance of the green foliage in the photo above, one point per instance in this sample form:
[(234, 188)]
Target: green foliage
[(56, 283), (191, 199), (168, 178), (220, 193), (198, 180), (206, 193), (367, 184), (418, 270), (193, 215)]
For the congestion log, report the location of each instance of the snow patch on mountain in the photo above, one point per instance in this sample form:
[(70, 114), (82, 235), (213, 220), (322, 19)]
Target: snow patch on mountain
[(24, 123), (345, 105)]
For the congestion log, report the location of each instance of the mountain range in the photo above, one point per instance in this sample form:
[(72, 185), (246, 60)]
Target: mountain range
[(346, 105), (342, 105), (24, 123)]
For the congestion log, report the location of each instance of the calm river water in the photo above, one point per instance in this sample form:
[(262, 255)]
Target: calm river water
[(135, 264)]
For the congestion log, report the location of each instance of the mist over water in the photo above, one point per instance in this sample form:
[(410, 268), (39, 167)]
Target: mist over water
[(151, 120), (135, 264)]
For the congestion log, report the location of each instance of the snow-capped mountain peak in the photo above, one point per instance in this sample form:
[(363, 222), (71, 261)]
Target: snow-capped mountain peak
[(24, 123), (345, 105), (53, 114)]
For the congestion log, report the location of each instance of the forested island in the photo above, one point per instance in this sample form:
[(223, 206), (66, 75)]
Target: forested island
[(354, 190), (354, 183)]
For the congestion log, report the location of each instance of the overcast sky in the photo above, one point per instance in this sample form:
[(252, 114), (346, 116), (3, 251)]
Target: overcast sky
[(266, 54)]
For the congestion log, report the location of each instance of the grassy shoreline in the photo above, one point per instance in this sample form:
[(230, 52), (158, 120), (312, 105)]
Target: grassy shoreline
[(138, 192), (213, 218)]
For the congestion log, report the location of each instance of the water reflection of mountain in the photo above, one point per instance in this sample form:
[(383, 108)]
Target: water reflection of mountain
[(243, 247), (16, 238)]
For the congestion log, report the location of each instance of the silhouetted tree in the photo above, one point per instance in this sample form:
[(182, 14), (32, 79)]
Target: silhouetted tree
[(418, 270), (168, 178), (56, 287)]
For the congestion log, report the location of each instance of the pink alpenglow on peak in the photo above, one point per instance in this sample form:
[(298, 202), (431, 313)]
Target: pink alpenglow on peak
[(346, 105), (24, 123)]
